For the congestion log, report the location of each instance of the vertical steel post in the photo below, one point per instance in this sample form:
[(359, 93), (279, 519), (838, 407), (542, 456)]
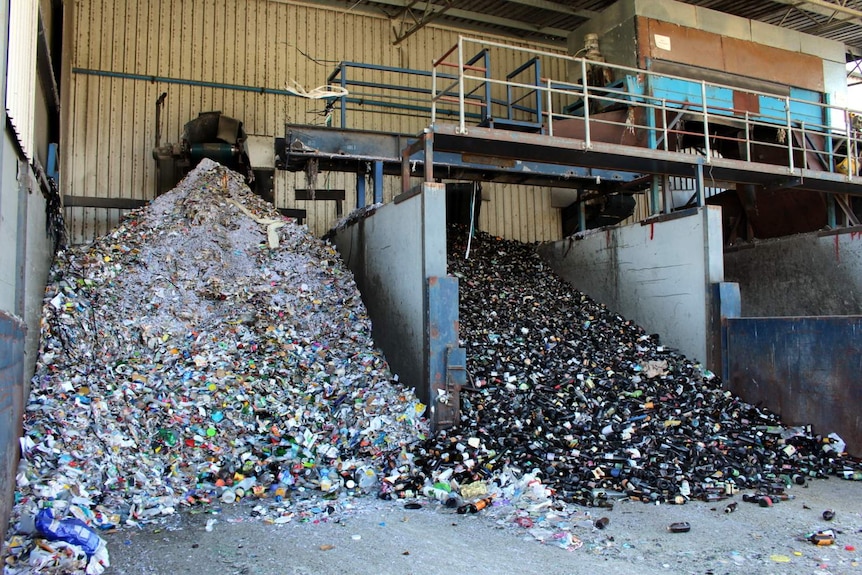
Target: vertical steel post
[(405, 170), (652, 144), (428, 140), (486, 63), (665, 133), (701, 193), (804, 144), (433, 92), (344, 98), (705, 126), (789, 134), (537, 81), (360, 189), (827, 145), (582, 211), (747, 137), (649, 105), (831, 215), (587, 141), (13, 374), (25, 186), (508, 100), (446, 366), (377, 178), (462, 127), (550, 111), (851, 153)]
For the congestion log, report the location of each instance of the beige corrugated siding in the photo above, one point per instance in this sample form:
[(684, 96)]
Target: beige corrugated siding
[(110, 127), (21, 71)]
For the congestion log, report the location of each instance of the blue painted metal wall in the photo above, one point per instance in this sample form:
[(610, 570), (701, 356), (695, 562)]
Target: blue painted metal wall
[(11, 407), (719, 100), (805, 368), (447, 363)]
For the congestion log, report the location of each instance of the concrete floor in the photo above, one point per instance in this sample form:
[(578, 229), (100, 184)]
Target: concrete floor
[(380, 537)]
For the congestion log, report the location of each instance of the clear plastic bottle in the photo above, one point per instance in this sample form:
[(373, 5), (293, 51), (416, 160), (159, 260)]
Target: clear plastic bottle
[(366, 478)]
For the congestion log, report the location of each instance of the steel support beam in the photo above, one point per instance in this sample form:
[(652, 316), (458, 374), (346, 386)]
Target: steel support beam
[(479, 18), (557, 7), (824, 8), (428, 16)]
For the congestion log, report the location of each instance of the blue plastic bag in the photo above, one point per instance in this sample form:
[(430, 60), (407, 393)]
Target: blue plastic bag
[(70, 530)]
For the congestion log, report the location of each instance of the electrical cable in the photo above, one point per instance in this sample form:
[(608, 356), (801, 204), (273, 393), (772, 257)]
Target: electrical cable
[(326, 91)]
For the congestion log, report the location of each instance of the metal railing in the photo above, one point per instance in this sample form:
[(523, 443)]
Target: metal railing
[(394, 90), (800, 131)]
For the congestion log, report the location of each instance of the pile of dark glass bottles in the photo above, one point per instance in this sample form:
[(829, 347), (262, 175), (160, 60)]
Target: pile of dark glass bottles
[(596, 408)]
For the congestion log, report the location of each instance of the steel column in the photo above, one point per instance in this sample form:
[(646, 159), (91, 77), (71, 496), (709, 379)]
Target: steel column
[(360, 189), (377, 179)]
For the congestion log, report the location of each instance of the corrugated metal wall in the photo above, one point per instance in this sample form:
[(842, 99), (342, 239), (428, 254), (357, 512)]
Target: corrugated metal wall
[(21, 71), (254, 43)]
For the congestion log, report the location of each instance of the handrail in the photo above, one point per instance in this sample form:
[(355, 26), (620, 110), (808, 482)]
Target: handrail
[(795, 119), (635, 71), (384, 95)]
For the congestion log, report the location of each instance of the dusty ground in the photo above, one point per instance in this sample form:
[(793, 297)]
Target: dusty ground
[(379, 537)]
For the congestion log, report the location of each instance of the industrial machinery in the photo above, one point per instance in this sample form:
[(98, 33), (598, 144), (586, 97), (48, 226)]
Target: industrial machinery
[(657, 104), (670, 104), (211, 135), (719, 85)]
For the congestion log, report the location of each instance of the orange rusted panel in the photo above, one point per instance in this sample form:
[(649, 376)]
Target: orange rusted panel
[(675, 43), (746, 102), (683, 45), (773, 64)]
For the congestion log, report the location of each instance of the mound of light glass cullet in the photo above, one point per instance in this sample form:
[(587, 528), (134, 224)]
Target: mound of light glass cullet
[(185, 359)]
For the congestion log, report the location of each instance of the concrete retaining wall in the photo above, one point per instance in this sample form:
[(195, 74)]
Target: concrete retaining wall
[(657, 273), (12, 399), (391, 254), (812, 274)]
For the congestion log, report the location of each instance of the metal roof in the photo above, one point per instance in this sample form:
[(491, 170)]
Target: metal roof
[(550, 21)]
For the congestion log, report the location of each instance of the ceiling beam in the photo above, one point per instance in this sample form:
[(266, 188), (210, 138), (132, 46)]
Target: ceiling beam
[(479, 18), (836, 7), (824, 8), (556, 7), (427, 17)]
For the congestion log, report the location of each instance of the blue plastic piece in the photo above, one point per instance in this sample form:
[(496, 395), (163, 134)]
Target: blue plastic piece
[(52, 169), (70, 530)]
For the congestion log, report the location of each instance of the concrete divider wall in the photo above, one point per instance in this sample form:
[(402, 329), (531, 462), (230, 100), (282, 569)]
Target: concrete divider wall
[(392, 253), (813, 274), (25, 260), (12, 390), (656, 273)]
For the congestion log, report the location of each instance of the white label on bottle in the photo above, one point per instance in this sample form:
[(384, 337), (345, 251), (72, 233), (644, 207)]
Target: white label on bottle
[(662, 42)]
